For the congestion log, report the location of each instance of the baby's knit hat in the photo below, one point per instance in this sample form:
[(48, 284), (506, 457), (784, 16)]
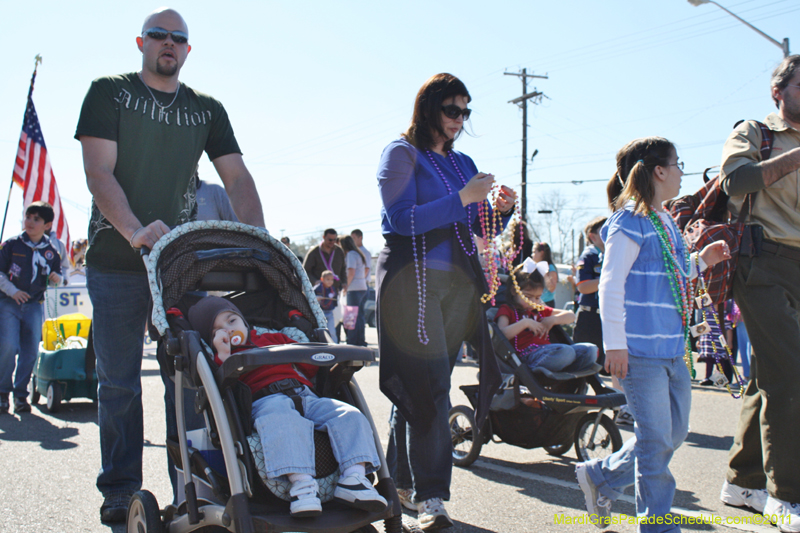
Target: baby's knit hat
[(203, 314)]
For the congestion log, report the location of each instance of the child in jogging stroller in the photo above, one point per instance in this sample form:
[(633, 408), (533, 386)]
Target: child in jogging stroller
[(541, 403), (268, 286)]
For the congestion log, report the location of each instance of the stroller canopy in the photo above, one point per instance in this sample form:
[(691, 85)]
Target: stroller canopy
[(177, 263)]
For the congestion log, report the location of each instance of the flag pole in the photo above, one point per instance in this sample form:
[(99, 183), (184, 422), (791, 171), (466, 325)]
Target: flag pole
[(37, 61)]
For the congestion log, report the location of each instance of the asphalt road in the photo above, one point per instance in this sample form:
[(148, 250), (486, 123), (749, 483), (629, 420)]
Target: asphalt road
[(49, 464)]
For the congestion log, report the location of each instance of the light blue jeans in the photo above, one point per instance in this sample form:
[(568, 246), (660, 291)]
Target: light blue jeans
[(558, 357), (20, 333), (744, 346), (356, 336), (288, 438), (120, 303), (331, 325), (659, 393)]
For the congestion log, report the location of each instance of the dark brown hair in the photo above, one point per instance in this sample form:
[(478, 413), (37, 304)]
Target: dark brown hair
[(544, 247), (783, 74), (525, 280), (349, 245), (594, 225), (43, 209), (636, 162), (426, 122)]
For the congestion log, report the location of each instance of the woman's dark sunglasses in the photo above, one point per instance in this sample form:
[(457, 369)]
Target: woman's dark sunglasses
[(160, 34), (453, 111)]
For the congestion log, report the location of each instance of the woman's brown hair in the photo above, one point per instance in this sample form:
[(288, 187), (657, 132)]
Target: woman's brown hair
[(349, 245), (426, 122), (633, 179)]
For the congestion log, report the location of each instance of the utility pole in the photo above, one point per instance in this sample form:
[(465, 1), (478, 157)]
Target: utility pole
[(522, 101)]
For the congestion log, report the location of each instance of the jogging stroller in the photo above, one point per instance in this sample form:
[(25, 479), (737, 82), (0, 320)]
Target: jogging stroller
[(539, 408), (224, 488)]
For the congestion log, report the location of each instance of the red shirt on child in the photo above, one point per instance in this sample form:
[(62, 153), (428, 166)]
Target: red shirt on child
[(526, 338), (264, 375)]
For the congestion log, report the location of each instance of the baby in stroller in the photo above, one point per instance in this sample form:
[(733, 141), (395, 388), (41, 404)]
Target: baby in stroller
[(286, 412), (527, 321)]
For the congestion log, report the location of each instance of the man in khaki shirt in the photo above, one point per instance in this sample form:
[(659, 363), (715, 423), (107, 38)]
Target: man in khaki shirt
[(767, 289)]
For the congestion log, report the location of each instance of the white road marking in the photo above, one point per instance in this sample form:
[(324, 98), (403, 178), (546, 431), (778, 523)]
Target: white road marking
[(754, 528)]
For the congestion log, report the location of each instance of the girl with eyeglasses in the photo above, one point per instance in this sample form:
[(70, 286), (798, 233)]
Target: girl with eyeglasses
[(645, 305), (429, 283)]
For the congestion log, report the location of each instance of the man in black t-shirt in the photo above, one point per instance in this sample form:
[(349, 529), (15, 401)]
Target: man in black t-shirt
[(142, 134)]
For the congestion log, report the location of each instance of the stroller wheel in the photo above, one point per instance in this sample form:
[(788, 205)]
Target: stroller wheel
[(558, 450), (144, 515), (54, 396), (596, 439), (466, 445), (33, 392)]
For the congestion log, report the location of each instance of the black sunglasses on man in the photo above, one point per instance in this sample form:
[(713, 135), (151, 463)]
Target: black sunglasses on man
[(160, 34)]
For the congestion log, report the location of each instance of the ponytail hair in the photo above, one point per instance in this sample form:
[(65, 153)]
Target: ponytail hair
[(633, 179)]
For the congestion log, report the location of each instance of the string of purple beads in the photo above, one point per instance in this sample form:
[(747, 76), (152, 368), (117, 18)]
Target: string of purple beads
[(450, 191), (422, 334)]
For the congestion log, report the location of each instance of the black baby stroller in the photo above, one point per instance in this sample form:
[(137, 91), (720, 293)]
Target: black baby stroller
[(225, 490), (539, 408)]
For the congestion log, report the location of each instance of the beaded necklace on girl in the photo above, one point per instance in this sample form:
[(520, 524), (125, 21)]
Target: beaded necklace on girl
[(679, 283), (534, 314)]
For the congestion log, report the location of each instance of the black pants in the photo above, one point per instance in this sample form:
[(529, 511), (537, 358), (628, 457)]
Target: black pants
[(589, 328)]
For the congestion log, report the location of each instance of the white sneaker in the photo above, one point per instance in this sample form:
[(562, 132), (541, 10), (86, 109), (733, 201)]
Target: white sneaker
[(305, 500), (406, 499), (737, 496), (432, 515), (597, 506), (783, 514), (356, 491)]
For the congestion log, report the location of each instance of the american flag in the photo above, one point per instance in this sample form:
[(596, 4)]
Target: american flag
[(32, 170)]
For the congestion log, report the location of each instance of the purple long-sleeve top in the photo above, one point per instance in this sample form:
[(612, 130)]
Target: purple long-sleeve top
[(407, 177)]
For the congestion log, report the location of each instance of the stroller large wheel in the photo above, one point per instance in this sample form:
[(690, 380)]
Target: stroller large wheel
[(144, 516), (606, 441), (33, 392), (466, 448)]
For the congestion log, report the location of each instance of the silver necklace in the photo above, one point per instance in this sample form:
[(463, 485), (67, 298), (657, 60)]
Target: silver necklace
[(159, 104)]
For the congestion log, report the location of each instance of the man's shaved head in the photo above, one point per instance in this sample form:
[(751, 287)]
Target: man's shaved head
[(167, 18)]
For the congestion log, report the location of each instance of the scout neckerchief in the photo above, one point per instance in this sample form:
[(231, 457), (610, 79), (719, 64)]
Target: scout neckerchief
[(38, 259)]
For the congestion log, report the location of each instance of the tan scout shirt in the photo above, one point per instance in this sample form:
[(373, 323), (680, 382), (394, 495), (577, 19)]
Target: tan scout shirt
[(777, 207)]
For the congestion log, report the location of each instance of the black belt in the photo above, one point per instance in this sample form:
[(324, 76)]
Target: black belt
[(590, 309), (285, 386), (781, 250)]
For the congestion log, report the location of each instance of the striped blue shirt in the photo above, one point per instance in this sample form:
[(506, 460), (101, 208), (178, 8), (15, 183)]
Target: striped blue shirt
[(653, 323)]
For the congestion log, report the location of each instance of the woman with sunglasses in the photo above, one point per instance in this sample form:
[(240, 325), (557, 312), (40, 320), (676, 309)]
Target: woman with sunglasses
[(429, 284)]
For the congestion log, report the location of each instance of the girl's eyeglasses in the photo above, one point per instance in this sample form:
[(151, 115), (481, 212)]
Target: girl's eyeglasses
[(678, 164)]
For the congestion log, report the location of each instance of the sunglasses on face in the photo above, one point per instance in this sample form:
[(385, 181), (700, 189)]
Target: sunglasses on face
[(160, 34), (453, 111)]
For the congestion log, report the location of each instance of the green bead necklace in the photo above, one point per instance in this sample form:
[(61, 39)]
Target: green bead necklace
[(679, 283)]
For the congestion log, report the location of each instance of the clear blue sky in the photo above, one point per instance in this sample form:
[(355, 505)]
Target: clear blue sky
[(316, 89)]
